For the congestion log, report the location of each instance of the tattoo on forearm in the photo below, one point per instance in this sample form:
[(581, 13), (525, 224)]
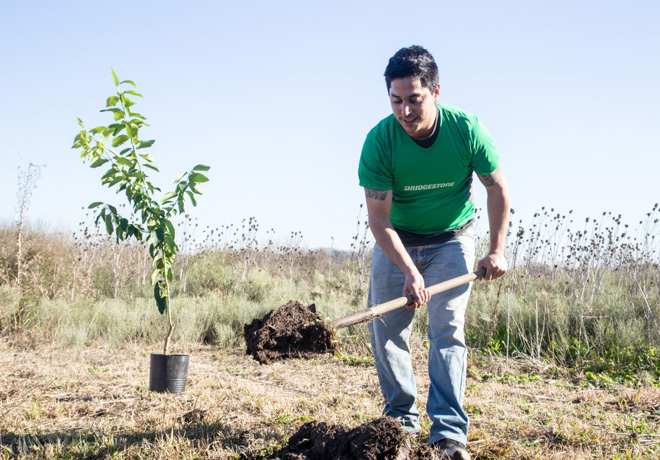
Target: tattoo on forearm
[(376, 194), (488, 180)]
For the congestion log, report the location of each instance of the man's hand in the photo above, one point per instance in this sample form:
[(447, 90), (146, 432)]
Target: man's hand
[(414, 285), (495, 265)]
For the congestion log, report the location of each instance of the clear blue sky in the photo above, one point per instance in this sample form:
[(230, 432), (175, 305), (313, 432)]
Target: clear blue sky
[(278, 96)]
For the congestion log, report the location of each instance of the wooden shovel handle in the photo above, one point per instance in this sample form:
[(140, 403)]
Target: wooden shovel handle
[(370, 313)]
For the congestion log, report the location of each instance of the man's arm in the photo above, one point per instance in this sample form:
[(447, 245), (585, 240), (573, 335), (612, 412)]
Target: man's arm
[(379, 205), (498, 220)]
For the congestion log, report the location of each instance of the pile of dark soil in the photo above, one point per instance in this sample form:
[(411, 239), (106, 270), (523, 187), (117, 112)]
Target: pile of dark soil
[(381, 439), (291, 331)]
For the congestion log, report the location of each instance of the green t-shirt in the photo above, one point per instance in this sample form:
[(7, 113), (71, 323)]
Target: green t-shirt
[(430, 186)]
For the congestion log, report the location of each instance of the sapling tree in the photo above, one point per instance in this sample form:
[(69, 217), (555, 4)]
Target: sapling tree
[(119, 148)]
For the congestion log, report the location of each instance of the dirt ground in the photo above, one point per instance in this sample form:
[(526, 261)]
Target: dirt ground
[(59, 403)]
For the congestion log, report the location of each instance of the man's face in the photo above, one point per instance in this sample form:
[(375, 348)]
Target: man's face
[(413, 106)]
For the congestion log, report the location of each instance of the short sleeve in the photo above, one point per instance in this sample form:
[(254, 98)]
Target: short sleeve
[(485, 157), (375, 169)]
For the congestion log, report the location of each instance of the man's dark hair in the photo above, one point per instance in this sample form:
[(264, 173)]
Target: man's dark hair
[(413, 61)]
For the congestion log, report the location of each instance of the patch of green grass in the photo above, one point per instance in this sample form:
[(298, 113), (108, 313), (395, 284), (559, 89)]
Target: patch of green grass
[(356, 360), (361, 418), (287, 419)]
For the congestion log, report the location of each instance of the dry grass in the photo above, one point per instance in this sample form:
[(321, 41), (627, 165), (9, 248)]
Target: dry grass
[(56, 404)]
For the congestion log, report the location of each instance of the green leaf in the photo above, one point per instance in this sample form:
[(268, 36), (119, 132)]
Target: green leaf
[(118, 113), (95, 204), (145, 144), (136, 231), (130, 91), (160, 234), (147, 165), (179, 177), (160, 294), (170, 228), (119, 140), (99, 162), (171, 250), (108, 224), (192, 198), (111, 101), (114, 181), (154, 276), (196, 189), (109, 173), (123, 227), (80, 123), (197, 177), (114, 77), (124, 161), (117, 127), (147, 157), (130, 82), (201, 168), (168, 196)]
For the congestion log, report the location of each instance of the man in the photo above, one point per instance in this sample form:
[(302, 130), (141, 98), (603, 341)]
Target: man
[(416, 168)]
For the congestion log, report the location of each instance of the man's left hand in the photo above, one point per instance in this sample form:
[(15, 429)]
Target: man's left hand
[(495, 265)]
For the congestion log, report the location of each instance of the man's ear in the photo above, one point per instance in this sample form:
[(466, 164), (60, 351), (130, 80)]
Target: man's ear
[(436, 93)]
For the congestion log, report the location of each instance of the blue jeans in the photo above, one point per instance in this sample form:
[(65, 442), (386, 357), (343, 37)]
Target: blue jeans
[(447, 353)]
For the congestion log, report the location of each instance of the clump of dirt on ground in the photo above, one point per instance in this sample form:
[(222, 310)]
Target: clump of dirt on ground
[(381, 439), (291, 331)]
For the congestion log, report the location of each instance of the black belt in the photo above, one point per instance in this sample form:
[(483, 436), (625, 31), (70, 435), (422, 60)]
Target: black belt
[(410, 239)]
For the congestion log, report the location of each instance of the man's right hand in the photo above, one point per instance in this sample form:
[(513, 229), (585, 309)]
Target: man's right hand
[(414, 285)]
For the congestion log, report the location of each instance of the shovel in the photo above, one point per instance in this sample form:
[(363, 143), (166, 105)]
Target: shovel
[(370, 313)]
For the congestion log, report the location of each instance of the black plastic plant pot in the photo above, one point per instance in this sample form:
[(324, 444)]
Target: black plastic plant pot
[(168, 373)]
